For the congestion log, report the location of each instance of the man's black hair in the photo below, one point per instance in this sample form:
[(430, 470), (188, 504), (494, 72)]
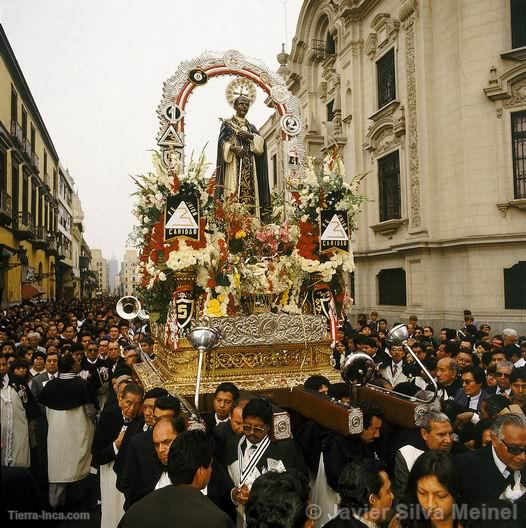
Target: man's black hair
[(315, 382), (370, 341), (188, 452), (278, 500), (477, 372), (168, 403), (357, 482), (66, 363), (259, 408), (156, 392), (370, 409), (228, 387), (518, 374)]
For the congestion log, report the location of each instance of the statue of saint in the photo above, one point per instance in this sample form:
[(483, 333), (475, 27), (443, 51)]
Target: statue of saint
[(241, 153)]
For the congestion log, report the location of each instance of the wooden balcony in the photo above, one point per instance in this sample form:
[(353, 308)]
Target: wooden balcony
[(23, 227), (6, 208), (40, 238)]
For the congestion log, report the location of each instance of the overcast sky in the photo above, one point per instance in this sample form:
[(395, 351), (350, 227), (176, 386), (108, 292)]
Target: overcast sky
[(96, 69)]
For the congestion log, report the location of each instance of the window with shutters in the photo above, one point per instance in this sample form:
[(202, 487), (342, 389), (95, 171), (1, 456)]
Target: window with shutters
[(389, 186), (386, 78)]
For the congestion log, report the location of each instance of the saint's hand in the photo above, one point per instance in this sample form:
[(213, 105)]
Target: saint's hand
[(238, 151), (245, 134)]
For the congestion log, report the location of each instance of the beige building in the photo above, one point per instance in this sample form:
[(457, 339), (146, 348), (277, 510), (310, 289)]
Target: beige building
[(429, 99), (99, 266), (128, 275)]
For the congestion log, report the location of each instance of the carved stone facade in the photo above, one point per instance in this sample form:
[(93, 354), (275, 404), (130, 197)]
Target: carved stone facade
[(457, 86)]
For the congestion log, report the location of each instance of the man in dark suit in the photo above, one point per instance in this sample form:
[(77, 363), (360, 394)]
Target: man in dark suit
[(144, 422), (141, 445), (502, 373), (370, 347), (146, 465), (182, 504), (110, 431), (498, 470), (472, 393), (222, 433), (225, 395), (448, 382), (254, 453), (339, 450)]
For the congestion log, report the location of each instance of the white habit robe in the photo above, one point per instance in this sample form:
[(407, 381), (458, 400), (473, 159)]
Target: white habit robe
[(70, 435), (112, 508), (15, 430)]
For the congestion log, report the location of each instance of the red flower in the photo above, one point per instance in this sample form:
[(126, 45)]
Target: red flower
[(201, 243), (175, 184), (308, 241), (211, 283)]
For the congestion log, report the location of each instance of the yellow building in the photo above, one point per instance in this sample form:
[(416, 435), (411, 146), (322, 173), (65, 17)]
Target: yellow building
[(28, 184)]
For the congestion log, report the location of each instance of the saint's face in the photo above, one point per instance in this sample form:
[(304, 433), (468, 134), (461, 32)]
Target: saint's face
[(241, 106)]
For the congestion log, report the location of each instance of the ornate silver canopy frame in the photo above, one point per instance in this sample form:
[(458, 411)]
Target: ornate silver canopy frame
[(195, 73)]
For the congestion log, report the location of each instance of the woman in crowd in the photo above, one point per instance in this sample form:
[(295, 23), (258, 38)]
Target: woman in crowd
[(432, 493)]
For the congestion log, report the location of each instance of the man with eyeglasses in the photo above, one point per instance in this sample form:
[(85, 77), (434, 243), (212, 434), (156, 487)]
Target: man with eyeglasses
[(255, 453), (503, 373), (472, 393), (498, 470)]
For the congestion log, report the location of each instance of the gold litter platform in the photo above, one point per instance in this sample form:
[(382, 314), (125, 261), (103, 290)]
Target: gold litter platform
[(256, 352)]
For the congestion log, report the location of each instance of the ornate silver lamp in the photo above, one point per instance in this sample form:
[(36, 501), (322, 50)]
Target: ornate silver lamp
[(398, 335), (202, 338)]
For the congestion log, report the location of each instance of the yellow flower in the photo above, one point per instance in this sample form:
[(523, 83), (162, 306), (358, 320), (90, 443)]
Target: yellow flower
[(213, 308), (221, 297), (284, 298), (236, 279), (240, 234)]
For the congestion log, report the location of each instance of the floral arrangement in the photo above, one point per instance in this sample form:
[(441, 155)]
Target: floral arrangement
[(237, 258)]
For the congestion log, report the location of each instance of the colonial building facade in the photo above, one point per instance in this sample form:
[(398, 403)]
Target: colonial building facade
[(428, 100), (35, 208)]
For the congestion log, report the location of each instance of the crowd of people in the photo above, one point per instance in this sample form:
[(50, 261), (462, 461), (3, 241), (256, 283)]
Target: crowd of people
[(73, 413)]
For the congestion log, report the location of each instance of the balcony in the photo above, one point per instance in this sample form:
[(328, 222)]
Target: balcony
[(6, 208), (320, 50), (16, 132), (40, 238), (51, 244), (26, 148), (47, 181), (34, 159), (23, 227)]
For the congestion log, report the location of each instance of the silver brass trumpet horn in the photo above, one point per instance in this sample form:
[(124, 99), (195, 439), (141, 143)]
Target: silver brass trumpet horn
[(143, 315), (128, 307), (398, 336)]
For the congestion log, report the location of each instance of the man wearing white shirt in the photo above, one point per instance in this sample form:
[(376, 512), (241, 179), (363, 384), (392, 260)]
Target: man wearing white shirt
[(393, 372), (51, 372)]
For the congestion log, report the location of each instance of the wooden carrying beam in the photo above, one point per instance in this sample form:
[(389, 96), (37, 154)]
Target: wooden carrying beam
[(321, 409), (397, 411)]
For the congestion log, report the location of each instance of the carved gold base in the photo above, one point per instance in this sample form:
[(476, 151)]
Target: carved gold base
[(257, 352)]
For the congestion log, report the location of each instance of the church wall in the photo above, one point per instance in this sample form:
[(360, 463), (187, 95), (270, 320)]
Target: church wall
[(460, 224)]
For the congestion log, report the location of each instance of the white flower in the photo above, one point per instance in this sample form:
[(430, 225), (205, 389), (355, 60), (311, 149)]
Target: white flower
[(145, 230), (162, 276)]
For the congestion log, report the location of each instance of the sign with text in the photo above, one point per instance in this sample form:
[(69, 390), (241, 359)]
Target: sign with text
[(182, 217), (334, 230)]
